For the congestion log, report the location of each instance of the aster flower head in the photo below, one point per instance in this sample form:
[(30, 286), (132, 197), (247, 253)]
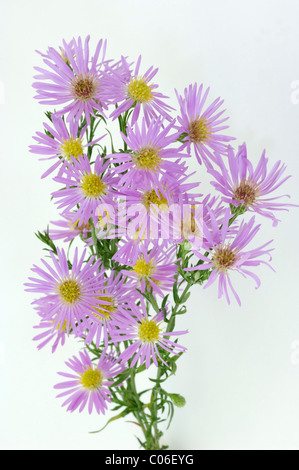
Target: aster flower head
[(88, 385), (167, 192), (72, 79), (241, 184), (117, 298), (50, 334), (85, 185), (151, 155), (202, 125), (148, 336), (128, 88), (155, 268), (68, 292), (128, 250), (68, 228), (60, 142), (228, 254)]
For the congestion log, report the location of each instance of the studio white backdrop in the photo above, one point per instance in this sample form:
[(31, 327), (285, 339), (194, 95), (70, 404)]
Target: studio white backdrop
[(240, 375)]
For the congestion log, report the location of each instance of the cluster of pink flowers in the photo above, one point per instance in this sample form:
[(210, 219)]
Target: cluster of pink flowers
[(102, 295)]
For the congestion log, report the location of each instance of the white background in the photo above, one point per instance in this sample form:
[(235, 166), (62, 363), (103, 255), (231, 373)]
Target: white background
[(239, 379)]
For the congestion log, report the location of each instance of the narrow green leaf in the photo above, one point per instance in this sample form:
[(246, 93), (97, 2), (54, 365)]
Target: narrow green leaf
[(120, 415)]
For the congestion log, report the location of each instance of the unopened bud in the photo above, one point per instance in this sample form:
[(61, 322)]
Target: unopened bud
[(186, 245), (177, 400)]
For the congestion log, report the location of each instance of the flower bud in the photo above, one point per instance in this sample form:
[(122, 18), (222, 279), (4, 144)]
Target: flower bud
[(177, 400)]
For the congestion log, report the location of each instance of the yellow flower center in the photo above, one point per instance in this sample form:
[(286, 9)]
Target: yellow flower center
[(247, 192), (139, 90), (224, 257), (93, 186), (69, 291), (199, 131), (84, 87), (107, 310), (142, 268), (80, 228), (148, 331), (71, 148), (151, 197), (92, 379), (148, 158)]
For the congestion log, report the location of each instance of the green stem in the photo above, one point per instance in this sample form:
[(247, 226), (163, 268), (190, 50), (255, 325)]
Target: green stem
[(156, 389), (139, 412)]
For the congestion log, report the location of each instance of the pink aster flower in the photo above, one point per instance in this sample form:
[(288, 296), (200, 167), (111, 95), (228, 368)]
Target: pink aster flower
[(68, 228), (155, 268), (228, 254), (241, 184), (49, 333), (128, 250), (148, 336), (202, 125), (152, 155), (68, 293), (72, 79), (168, 191), (60, 143), (117, 297), (85, 186), (89, 384), (127, 89)]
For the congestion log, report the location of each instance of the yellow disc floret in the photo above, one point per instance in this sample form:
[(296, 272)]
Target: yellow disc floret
[(224, 257), (247, 192), (151, 198), (93, 186), (139, 90), (149, 331), (147, 158), (92, 379), (199, 131), (144, 269), (71, 148), (69, 291), (80, 228), (84, 87)]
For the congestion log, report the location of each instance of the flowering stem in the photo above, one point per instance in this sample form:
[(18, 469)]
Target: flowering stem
[(139, 413), (170, 327)]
